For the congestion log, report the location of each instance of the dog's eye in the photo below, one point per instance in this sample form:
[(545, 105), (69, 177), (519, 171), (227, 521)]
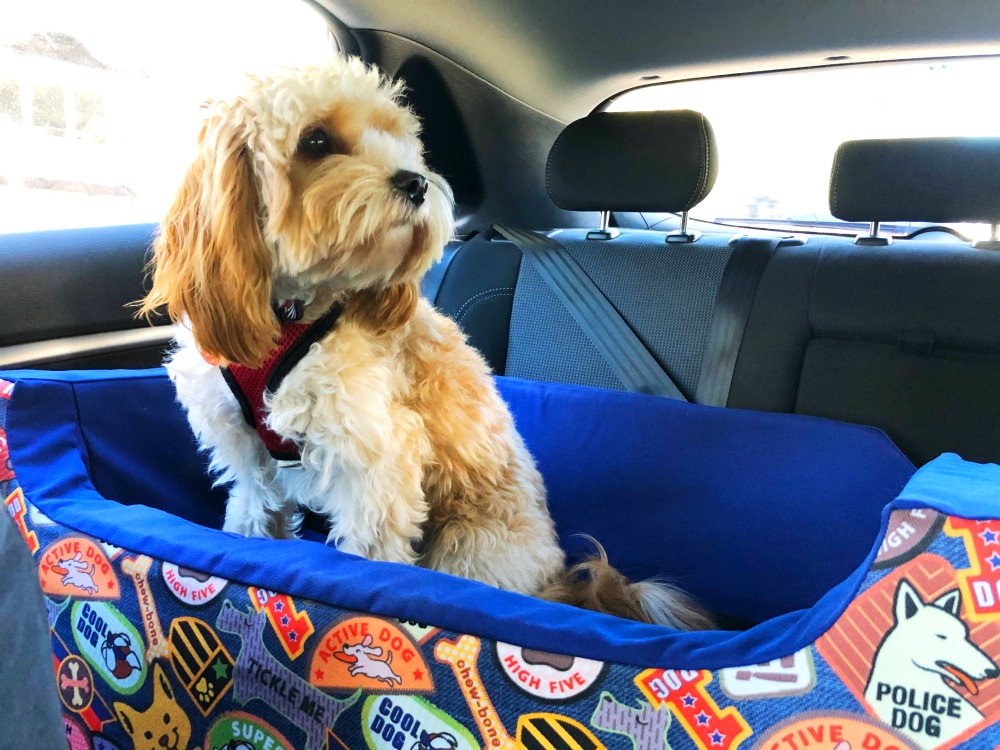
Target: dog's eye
[(316, 142)]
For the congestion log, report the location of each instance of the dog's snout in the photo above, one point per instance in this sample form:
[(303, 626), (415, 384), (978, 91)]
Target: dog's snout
[(410, 184)]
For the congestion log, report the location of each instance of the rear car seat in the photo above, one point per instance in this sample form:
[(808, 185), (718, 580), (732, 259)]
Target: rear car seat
[(903, 336), (664, 161)]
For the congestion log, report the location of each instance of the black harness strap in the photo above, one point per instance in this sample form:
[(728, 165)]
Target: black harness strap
[(245, 383)]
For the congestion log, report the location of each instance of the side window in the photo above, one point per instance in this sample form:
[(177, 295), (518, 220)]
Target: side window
[(100, 102)]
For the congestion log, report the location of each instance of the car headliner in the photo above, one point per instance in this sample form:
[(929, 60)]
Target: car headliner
[(565, 57)]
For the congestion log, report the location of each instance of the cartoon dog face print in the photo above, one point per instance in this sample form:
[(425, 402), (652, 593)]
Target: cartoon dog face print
[(162, 726), (923, 658)]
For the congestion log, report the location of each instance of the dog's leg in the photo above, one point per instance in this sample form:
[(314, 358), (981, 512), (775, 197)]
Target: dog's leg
[(364, 451), (256, 506), (488, 517), (379, 500)]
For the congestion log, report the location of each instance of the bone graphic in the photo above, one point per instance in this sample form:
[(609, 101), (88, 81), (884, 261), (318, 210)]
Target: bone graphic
[(17, 507), (685, 693), (745, 674), (645, 726), (461, 656), (137, 568), (291, 626), (259, 675), (75, 682)]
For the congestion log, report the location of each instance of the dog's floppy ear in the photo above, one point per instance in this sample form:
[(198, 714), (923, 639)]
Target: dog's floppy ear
[(908, 601), (210, 260), (950, 602), (386, 308)]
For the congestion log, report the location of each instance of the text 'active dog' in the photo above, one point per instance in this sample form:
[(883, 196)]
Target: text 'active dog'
[(292, 256)]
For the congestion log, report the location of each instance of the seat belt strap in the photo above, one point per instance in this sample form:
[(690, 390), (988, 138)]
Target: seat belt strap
[(624, 352), (733, 302)]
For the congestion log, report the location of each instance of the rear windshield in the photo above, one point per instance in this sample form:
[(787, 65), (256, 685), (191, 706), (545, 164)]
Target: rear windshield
[(777, 132)]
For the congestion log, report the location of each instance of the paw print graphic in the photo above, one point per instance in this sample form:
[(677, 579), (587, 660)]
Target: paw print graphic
[(205, 690)]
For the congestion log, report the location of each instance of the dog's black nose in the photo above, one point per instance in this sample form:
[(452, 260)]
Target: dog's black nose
[(410, 184), (991, 673)]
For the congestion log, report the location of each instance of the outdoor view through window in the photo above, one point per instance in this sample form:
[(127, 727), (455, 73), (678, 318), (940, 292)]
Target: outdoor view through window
[(100, 100), (777, 132), (100, 107)]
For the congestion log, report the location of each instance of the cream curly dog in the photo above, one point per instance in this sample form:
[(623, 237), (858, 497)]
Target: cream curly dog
[(292, 256)]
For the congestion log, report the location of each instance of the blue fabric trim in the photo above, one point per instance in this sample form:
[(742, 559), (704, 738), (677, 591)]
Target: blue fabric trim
[(48, 451)]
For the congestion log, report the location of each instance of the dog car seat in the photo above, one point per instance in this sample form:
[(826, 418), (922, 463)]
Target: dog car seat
[(874, 590)]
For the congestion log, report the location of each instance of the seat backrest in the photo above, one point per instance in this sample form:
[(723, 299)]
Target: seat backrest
[(666, 291), (904, 336)]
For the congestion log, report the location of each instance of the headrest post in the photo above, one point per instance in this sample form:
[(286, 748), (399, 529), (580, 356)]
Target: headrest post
[(682, 235), (606, 232), (873, 238), (993, 243)]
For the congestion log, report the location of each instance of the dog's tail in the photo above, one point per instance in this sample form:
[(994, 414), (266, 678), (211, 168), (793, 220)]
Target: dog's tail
[(595, 585)]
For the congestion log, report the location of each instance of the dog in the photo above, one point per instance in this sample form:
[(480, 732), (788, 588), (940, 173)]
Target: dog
[(78, 574), (922, 658), (162, 726), (304, 226), (360, 657), (646, 726)]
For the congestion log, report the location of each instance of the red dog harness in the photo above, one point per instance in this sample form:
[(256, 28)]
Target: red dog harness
[(250, 384)]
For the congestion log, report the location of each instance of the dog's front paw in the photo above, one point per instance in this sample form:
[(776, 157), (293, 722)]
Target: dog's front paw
[(350, 546), (398, 551), (245, 526)]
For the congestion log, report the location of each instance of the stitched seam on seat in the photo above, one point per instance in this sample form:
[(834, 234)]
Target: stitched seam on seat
[(833, 177), (481, 297), (703, 177), (480, 301)]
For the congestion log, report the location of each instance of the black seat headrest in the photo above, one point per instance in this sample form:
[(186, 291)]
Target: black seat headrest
[(633, 161), (917, 179)]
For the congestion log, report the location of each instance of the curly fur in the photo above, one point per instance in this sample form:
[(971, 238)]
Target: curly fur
[(404, 439)]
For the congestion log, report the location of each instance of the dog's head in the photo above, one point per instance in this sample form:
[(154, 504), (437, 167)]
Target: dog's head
[(309, 183)]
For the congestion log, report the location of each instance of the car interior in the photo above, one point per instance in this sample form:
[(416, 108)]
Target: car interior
[(881, 308), (901, 333)]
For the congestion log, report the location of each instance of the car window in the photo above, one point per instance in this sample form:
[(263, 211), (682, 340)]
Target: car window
[(100, 100), (777, 132)]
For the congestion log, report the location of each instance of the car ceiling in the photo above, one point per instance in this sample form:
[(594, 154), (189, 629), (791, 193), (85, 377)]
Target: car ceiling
[(565, 57)]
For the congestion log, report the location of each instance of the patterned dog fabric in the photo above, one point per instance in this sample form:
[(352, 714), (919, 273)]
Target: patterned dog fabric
[(150, 653)]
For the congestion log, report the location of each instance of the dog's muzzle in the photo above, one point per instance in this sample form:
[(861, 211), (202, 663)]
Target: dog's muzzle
[(412, 185)]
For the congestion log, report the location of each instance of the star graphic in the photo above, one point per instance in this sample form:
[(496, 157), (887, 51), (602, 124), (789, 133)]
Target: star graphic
[(994, 561), (702, 718), (293, 636), (689, 700), (717, 737), (221, 669), (111, 584), (989, 536), (278, 606), (418, 675), (285, 621), (319, 674)]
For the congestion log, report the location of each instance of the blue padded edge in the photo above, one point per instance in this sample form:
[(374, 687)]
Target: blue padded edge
[(44, 436)]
